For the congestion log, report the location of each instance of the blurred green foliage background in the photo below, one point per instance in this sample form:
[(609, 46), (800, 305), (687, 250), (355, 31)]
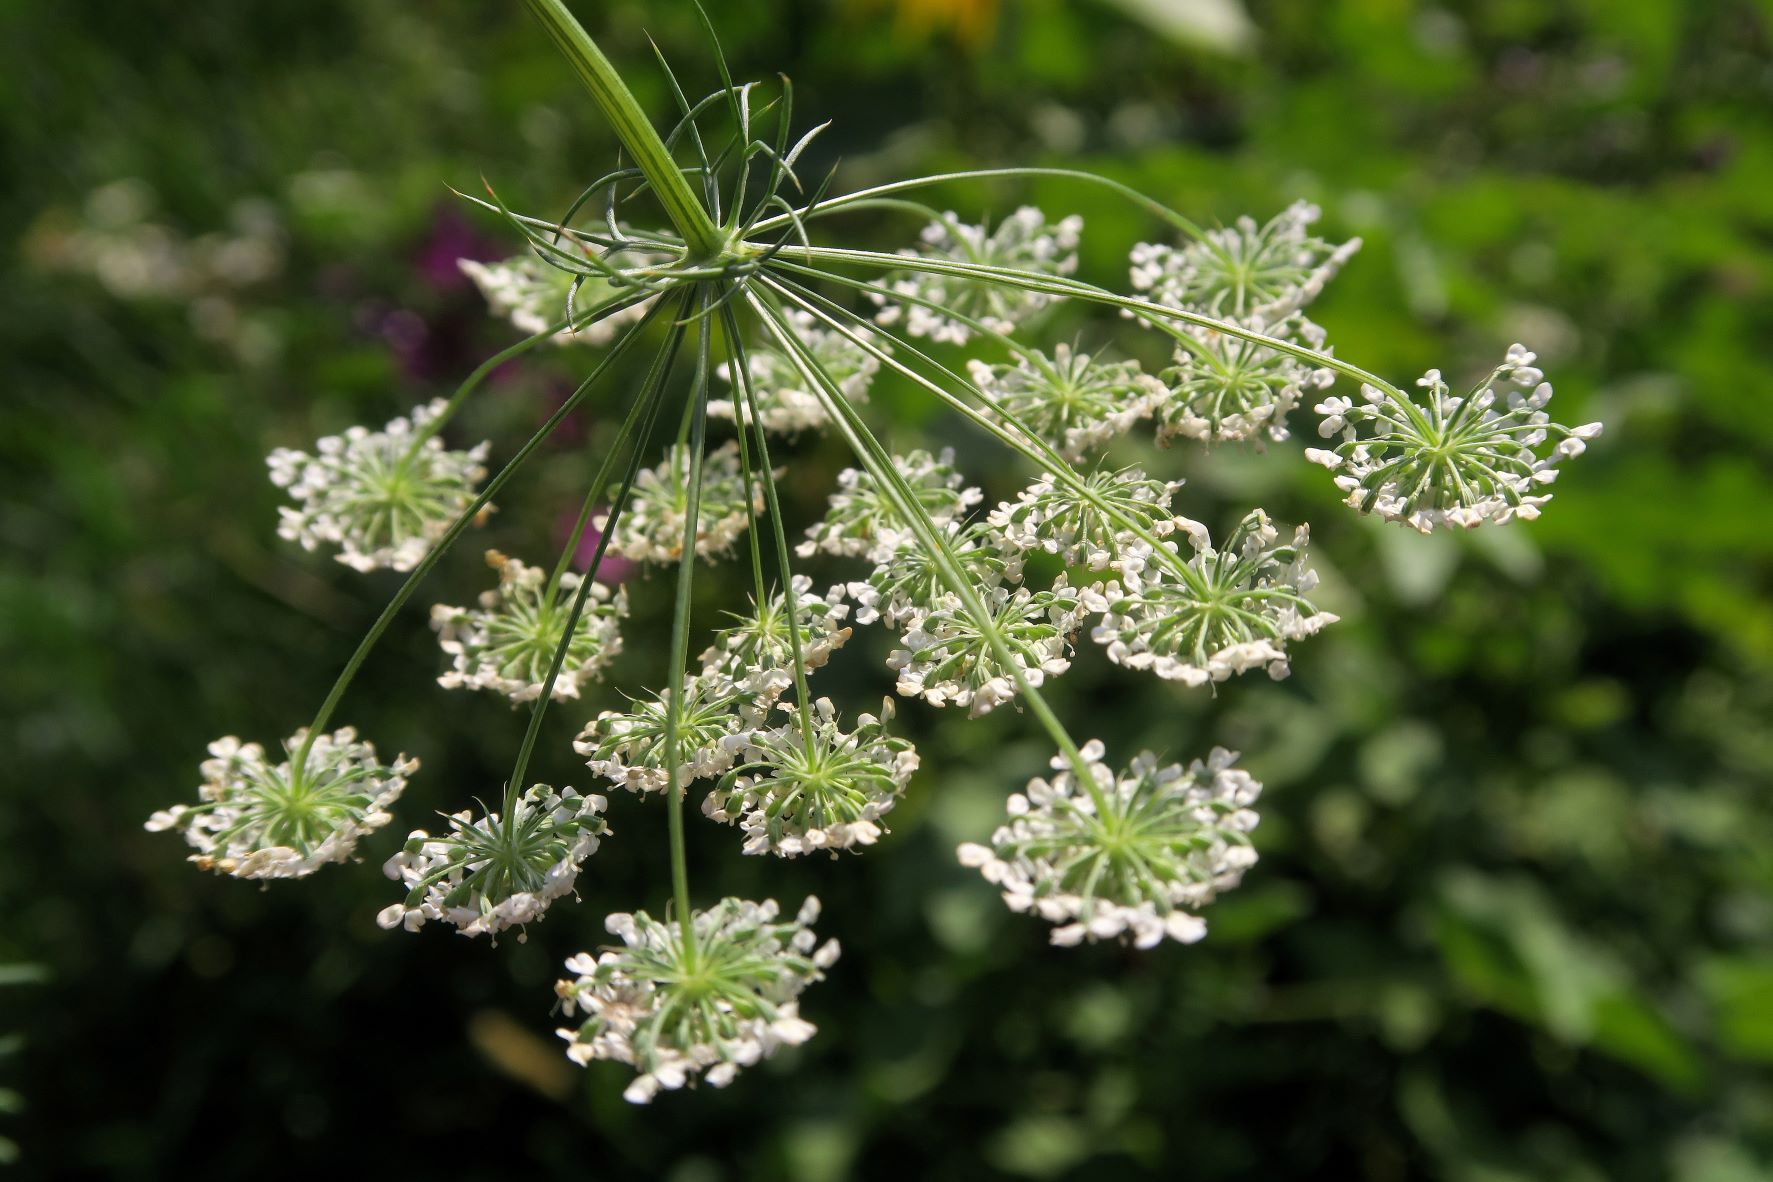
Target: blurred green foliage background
[(1514, 914)]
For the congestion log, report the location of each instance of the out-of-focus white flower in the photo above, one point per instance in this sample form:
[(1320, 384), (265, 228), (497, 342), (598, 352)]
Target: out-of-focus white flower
[(1220, 612), (532, 295), (1166, 842), (1244, 272), (756, 654), (907, 579), (507, 643), (375, 495), (1070, 400), (493, 873), (1451, 460), (673, 1015), (859, 513), (784, 402), (257, 819), (628, 747), (794, 796), (1089, 530), (1024, 241), (947, 656), (650, 528), (1224, 388)]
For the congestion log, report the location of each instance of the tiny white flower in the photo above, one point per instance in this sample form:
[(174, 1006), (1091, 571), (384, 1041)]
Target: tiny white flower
[(628, 747), (1090, 529), (531, 294), (907, 579), (1224, 388), (947, 658), (784, 401), (755, 655), (375, 495)]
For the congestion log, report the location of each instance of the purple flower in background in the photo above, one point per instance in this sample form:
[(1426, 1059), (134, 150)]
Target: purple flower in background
[(613, 569), (452, 238)]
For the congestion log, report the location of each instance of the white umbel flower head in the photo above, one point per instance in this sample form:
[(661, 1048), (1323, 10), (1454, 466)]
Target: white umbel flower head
[(257, 819), (507, 643), (860, 513), (755, 656), (1222, 611), (1165, 842), (784, 402), (491, 873), (794, 795), (1486, 456), (532, 295), (1244, 272), (1226, 389), (628, 747), (947, 658), (650, 528), (381, 497), (1072, 401), (907, 580), (1024, 241), (1090, 529), (673, 1016)]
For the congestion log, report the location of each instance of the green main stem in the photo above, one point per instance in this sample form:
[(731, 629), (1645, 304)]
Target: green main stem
[(632, 127)]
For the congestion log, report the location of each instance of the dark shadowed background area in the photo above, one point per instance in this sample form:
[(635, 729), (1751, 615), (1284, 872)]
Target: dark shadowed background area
[(1514, 914)]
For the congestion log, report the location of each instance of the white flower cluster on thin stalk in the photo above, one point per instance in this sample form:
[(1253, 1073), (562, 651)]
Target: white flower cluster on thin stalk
[(1131, 855), (652, 527), (491, 873), (802, 788), (676, 1010), (859, 515), (784, 404), (258, 819), (1222, 611), (382, 498), (1136, 857), (755, 654), (1025, 241), (532, 295), (1460, 460), (507, 643), (1077, 403)]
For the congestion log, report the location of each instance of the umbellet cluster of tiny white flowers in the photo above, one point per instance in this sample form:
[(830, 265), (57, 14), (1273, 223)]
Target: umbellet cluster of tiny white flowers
[(1226, 389), (532, 295), (507, 643), (785, 404), (1488, 455), (1052, 517), (381, 497), (628, 747), (1025, 241), (948, 658), (1162, 844), (490, 873), (1075, 402), (675, 1014), (858, 516), (650, 529), (258, 819), (1244, 271), (800, 789), (755, 654), (1222, 611)]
